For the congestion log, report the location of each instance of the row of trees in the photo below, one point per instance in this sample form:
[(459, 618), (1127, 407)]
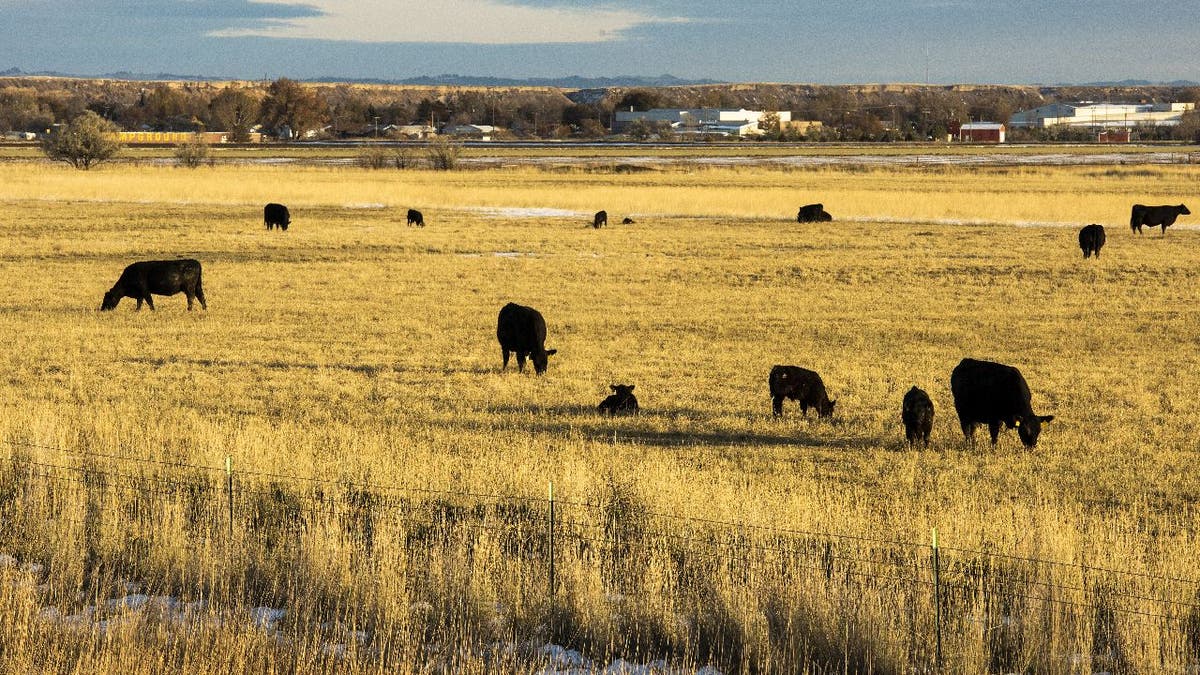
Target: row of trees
[(847, 113)]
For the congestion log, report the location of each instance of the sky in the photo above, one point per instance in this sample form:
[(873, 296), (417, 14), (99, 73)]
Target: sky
[(818, 41)]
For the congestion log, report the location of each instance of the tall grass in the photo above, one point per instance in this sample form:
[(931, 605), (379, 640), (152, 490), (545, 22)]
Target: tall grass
[(352, 353)]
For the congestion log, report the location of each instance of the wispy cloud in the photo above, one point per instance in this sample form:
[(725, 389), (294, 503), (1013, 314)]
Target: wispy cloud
[(456, 21)]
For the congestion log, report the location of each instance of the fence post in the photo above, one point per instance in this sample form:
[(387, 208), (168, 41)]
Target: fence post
[(229, 491), (937, 604), (551, 541)]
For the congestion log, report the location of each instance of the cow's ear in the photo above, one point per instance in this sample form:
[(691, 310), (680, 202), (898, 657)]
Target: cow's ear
[(1046, 418), (551, 352), (632, 386), (613, 387)]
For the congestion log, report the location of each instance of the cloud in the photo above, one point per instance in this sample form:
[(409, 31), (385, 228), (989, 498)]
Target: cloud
[(456, 21)]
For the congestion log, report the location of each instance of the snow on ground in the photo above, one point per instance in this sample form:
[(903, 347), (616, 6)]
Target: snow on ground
[(563, 661), (523, 212)]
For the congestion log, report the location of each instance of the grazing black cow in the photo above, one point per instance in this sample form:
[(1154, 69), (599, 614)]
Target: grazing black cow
[(276, 214), (157, 277), (813, 213), (1091, 240), (627, 221), (522, 330), (994, 394), (917, 414), (621, 402), (1152, 216), (600, 219), (415, 218), (799, 384)]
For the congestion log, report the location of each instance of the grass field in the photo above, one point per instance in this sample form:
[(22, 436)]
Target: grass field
[(354, 352)]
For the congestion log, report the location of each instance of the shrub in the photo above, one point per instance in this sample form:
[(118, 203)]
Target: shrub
[(193, 153), (83, 142)]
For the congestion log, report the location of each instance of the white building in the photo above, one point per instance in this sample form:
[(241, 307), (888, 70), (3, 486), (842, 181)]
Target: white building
[(482, 132), (1101, 115), (740, 122)]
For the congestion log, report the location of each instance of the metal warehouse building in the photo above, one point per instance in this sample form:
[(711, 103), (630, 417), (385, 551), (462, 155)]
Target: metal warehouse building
[(740, 122), (1101, 115)]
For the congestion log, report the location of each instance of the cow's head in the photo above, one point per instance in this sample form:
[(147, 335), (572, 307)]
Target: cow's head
[(540, 361), (1030, 427), (622, 390), (1183, 210), (110, 301), (825, 407)]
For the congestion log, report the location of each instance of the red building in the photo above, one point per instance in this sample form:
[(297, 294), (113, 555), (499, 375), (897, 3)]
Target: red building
[(981, 132)]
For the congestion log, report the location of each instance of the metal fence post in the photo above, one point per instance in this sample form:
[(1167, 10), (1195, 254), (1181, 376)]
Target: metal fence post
[(229, 491), (937, 603), (551, 541)]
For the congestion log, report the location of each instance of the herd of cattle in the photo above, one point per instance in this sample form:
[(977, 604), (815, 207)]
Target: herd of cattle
[(984, 392)]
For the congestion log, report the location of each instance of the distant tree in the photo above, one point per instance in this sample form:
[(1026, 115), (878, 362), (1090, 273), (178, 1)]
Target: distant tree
[(236, 111), (292, 105), (443, 154), (83, 142), (21, 111), (639, 100), (770, 125), (193, 153), (590, 128), (1188, 128)]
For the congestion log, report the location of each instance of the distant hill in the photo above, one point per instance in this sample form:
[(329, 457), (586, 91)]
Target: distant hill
[(1137, 83), (451, 80)]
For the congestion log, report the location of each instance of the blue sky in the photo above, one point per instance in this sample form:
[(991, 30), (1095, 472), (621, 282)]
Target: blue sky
[(850, 41)]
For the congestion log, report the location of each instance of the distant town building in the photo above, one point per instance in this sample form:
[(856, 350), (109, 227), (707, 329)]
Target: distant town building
[(178, 137), (1090, 114), (483, 132), (981, 132), (411, 131), (740, 122), (1114, 136)]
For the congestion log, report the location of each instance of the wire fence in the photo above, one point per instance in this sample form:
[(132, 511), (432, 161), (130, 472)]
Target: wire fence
[(227, 508)]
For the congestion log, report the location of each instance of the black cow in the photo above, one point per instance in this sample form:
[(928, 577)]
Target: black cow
[(157, 277), (276, 214), (1091, 240), (627, 221), (522, 330), (917, 414), (415, 218), (600, 219), (1152, 216), (813, 213), (799, 384), (621, 402), (994, 394)]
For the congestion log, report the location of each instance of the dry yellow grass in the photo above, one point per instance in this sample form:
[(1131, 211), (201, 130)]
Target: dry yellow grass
[(353, 348)]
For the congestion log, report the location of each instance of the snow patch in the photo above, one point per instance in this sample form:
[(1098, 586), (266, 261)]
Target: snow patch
[(267, 617), (523, 212), (365, 205)]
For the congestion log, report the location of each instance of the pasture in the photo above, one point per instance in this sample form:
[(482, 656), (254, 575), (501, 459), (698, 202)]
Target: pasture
[(354, 352)]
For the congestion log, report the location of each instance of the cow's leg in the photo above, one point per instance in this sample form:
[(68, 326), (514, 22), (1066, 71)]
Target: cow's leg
[(139, 304), (968, 430), (994, 430), (189, 299), (777, 405), (506, 353), (150, 302), (521, 361), (200, 297)]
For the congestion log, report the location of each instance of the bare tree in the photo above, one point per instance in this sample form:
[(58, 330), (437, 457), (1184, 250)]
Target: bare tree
[(292, 105), (234, 110), (83, 142)]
